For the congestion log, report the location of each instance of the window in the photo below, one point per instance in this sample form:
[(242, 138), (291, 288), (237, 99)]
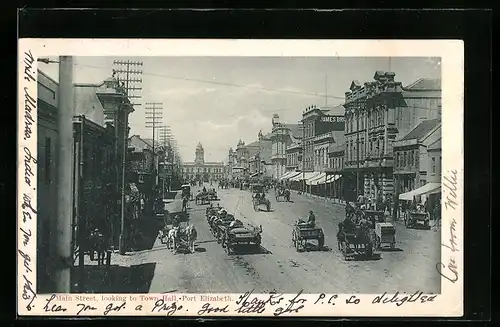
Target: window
[(433, 165), (398, 159), (404, 159), (48, 160), (411, 158)]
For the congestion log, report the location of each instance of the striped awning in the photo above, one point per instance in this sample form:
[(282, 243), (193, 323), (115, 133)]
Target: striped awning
[(305, 176), (318, 179), (291, 175)]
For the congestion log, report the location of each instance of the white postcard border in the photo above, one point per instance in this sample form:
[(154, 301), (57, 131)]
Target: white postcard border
[(447, 304)]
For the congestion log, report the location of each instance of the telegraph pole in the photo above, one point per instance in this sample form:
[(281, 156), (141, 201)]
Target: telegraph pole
[(126, 83), (164, 137), (154, 115), (64, 184)]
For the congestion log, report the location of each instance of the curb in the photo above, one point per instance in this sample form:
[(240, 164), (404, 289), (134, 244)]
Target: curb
[(333, 200)]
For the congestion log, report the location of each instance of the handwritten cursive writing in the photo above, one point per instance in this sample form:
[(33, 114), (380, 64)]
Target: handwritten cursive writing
[(399, 301), (26, 261), (162, 306), (255, 305), (26, 236), (451, 268), (82, 307), (28, 170), (29, 70), (450, 186), (207, 308), (28, 292), (453, 246), (29, 108), (114, 307), (322, 296), (294, 305), (52, 306), (27, 208)]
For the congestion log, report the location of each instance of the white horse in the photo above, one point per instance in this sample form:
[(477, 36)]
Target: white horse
[(172, 239), (191, 235)]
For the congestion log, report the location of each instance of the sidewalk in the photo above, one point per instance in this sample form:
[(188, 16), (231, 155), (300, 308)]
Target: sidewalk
[(127, 273), (333, 200)]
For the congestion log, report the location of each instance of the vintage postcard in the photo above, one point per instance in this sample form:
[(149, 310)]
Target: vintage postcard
[(203, 178)]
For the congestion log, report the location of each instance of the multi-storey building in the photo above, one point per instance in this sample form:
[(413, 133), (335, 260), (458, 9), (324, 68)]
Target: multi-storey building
[(99, 133), (317, 121), (282, 136), (376, 113), (411, 156), (336, 167), (200, 170)]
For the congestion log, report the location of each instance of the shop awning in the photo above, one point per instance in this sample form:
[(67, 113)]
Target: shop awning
[(333, 178), (429, 188), (291, 175), (287, 175), (254, 174), (304, 176), (319, 179)]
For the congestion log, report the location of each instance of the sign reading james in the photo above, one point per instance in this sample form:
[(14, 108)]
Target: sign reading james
[(333, 119)]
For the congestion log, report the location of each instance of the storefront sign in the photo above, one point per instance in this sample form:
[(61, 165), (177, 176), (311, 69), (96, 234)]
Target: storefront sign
[(333, 119)]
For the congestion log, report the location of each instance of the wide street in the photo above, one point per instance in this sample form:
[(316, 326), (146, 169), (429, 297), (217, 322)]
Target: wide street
[(278, 266)]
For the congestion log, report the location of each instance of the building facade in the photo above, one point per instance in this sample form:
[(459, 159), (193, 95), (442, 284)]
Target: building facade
[(376, 113), (336, 167), (99, 115), (294, 156), (318, 121), (282, 136), (200, 170)]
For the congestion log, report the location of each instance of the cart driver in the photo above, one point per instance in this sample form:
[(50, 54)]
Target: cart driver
[(312, 219)]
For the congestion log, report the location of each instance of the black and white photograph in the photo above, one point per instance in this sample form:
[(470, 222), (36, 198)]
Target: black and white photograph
[(230, 174)]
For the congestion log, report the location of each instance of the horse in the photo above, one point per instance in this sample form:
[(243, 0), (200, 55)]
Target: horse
[(172, 239), (185, 201), (191, 235)]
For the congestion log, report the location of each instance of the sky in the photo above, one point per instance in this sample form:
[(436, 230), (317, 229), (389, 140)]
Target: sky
[(220, 100)]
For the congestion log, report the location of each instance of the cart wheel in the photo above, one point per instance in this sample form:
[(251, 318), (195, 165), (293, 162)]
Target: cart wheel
[(321, 243)]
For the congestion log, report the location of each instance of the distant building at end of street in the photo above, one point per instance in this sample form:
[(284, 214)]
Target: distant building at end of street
[(201, 170)]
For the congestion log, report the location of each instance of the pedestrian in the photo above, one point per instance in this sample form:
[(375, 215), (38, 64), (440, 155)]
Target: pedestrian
[(437, 216)]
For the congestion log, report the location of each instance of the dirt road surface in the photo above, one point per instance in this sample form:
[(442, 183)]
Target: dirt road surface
[(277, 266)]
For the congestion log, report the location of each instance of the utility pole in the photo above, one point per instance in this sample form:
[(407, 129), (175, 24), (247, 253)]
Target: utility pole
[(154, 115), (124, 77), (356, 113), (164, 137), (64, 230)]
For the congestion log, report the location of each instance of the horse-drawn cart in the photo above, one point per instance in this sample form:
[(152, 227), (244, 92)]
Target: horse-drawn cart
[(385, 233), (303, 231), (414, 218), (236, 234), (355, 240), (202, 198), (282, 193)]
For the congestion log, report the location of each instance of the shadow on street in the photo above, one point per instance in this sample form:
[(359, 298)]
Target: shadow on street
[(117, 279)]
